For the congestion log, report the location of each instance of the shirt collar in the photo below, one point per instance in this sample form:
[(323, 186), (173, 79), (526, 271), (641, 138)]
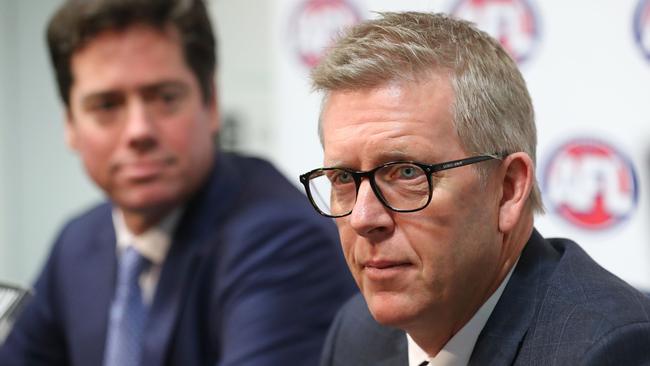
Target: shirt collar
[(459, 348), (154, 243)]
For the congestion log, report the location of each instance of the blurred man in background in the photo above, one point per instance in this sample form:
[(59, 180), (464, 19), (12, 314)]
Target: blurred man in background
[(429, 141), (199, 257)]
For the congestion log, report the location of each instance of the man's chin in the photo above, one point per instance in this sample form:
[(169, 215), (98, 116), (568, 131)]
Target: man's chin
[(391, 309), (147, 201)]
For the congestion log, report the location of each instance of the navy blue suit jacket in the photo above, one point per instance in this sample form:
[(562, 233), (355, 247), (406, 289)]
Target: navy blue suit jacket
[(253, 277), (559, 308)]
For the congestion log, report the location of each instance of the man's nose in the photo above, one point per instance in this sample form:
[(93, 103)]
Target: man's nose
[(369, 217), (140, 128)]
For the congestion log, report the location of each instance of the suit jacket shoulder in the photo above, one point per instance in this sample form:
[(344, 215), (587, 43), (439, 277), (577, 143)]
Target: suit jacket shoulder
[(562, 308), (71, 297), (257, 265)]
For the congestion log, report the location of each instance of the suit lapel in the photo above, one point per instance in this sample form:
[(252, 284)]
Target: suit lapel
[(95, 287), (501, 339), (193, 236), (398, 355), (170, 292)]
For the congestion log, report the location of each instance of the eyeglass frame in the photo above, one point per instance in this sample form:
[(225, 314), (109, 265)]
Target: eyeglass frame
[(428, 169)]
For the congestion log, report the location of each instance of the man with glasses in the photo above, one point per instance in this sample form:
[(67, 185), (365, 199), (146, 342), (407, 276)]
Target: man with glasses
[(429, 153), (198, 257)]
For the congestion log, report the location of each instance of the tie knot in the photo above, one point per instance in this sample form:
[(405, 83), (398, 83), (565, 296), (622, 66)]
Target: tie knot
[(132, 263)]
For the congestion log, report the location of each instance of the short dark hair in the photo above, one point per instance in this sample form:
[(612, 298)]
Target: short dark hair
[(77, 22)]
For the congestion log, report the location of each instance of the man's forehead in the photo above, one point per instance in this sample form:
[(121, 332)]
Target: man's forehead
[(121, 32), (144, 53), (397, 121), (397, 90), (423, 101)]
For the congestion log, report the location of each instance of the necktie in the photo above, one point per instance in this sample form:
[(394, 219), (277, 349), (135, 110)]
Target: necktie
[(424, 363), (128, 313)]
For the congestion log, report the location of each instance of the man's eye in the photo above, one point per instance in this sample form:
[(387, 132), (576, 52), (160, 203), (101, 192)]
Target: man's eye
[(341, 177), (166, 100), (104, 105), (401, 172), (408, 172), (169, 97)]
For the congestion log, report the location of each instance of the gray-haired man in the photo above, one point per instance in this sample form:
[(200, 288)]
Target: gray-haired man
[(429, 146)]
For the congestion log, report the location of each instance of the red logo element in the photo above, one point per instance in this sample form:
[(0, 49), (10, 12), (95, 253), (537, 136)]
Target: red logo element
[(642, 27), (590, 184), (315, 24), (511, 22)]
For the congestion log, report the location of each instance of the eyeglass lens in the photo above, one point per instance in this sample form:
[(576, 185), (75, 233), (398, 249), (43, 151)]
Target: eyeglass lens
[(402, 186)]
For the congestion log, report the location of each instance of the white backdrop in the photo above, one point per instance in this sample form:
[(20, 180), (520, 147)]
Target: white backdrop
[(587, 65)]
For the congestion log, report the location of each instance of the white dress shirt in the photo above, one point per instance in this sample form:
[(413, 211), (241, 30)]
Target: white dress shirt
[(459, 348), (153, 244)]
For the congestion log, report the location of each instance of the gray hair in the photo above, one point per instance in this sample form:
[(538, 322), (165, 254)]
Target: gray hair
[(492, 110)]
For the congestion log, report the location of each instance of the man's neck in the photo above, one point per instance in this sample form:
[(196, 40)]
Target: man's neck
[(449, 321), (458, 349), (142, 220)]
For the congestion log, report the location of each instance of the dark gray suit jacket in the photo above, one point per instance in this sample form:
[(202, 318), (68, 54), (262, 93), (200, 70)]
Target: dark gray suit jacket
[(559, 308)]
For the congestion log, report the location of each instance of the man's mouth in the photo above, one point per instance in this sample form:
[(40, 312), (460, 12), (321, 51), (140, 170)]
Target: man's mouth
[(144, 169), (382, 269)]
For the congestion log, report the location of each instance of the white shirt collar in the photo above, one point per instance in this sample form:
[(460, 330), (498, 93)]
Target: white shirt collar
[(459, 348), (154, 243)]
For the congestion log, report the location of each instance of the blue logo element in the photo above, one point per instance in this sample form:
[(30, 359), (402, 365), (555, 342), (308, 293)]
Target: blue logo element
[(642, 27)]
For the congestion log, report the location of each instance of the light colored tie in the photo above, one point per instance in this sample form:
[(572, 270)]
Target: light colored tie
[(128, 313)]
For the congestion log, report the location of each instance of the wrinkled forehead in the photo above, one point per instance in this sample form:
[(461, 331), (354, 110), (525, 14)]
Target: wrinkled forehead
[(432, 78), (397, 119)]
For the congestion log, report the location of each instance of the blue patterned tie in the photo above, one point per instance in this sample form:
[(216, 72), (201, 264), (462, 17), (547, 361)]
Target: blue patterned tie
[(128, 313)]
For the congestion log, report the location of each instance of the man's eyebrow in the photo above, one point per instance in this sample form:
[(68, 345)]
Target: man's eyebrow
[(394, 155), (172, 84), (99, 95), (381, 158), (153, 87)]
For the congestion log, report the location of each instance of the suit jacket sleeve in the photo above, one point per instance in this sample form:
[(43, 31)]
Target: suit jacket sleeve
[(328, 348), (37, 338), (284, 281)]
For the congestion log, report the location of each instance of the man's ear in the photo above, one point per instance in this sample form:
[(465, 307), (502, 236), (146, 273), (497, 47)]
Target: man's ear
[(518, 177), (70, 130)]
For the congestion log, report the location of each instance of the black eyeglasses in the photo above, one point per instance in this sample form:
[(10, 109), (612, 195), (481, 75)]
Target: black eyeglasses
[(402, 186)]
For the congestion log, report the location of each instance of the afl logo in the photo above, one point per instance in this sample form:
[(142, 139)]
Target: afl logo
[(511, 22), (590, 184), (315, 24), (642, 27)]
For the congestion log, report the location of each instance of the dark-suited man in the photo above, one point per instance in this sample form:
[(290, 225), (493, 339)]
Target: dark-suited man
[(429, 147), (199, 257)]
